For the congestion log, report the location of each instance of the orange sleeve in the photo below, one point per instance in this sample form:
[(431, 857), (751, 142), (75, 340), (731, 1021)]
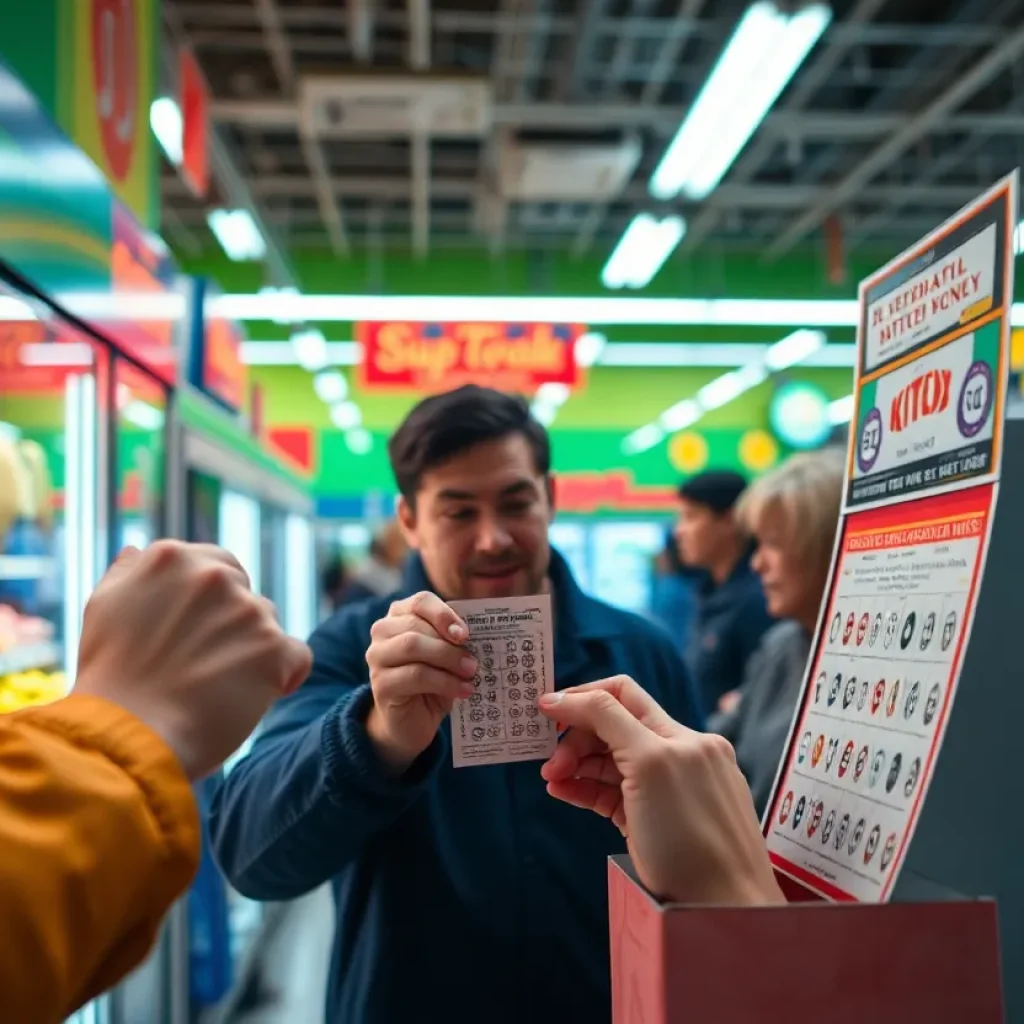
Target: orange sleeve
[(99, 834)]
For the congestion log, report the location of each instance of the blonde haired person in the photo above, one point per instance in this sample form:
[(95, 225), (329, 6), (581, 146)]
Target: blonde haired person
[(792, 513)]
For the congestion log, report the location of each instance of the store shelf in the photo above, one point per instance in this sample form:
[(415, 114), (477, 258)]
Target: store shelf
[(25, 567), (28, 657)]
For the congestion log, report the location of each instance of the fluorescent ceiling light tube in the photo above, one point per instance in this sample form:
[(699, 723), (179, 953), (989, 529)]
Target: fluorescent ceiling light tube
[(642, 250), (165, 120), (840, 410), (681, 415), (310, 349), (593, 311), (758, 62), (238, 235), (330, 386), (643, 439), (793, 349), (346, 415)]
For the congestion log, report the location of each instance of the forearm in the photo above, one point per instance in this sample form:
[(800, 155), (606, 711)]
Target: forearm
[(303, 805), (100, 835)]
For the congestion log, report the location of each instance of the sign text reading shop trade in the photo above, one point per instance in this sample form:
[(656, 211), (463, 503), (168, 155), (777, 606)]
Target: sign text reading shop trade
[(401, 355)]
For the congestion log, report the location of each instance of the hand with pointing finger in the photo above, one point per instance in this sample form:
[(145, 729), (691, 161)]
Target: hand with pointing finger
[(677, 795), (418, 668)]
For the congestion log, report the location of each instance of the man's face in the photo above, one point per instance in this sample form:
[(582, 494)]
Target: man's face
[(481, 520), (703, 535)]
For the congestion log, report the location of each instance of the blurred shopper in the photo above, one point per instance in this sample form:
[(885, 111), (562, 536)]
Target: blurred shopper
[(673, 594), (177, 662), (441, 875), (793, 514), (731, 616), (335, 583), (381, 573), (676, 794)]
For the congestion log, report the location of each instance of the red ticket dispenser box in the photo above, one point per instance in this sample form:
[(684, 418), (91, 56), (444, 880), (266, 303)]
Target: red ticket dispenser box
[(813, 962)]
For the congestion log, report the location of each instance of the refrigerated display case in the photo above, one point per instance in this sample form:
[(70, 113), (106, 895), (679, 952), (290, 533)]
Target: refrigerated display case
[(233, 493), (52, 491)]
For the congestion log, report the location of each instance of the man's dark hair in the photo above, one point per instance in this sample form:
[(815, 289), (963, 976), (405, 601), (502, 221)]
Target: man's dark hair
[(443, 426), (716, 489)]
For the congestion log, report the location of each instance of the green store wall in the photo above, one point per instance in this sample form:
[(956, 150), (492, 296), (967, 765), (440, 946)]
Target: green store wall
[(589, 429)]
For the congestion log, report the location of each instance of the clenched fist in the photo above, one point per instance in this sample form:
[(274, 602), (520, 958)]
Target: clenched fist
[(418, 668), (175, 636)]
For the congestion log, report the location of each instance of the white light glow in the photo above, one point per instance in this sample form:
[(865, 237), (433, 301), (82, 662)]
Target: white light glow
[(613, 353), (840, 410), (143, 415), (681, 415), (793, 349), (594, 311), (643, 439), (1018, 238), (553, 393), (346, 415), (757, 63), (359, 441), (330, 386), (70, 354), (14, 309), (310, 349), (589, 348), (238, 235), (644, 247), (300, 582), (166, 122), (730, 386)]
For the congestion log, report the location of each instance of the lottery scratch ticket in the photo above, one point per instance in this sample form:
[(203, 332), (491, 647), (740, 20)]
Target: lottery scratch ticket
[(512, 641)]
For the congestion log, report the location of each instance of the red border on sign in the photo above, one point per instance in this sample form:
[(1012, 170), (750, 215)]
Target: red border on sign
[(974, 501)]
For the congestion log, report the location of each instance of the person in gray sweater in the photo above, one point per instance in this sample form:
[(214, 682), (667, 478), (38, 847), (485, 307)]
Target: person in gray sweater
[(792, 513)]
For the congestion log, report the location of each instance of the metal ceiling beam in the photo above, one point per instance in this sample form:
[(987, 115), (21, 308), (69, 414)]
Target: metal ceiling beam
[(419, 34), (421, 194), (284, 67), (679, 34), (780, 125), (952, 98), (728, 197), (361, 18), (569, 77), (223, 167), (211, 14)]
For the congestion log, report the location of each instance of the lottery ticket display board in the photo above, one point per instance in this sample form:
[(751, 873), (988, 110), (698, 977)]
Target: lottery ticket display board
[(921, 489), (933, 353), (512, 641)]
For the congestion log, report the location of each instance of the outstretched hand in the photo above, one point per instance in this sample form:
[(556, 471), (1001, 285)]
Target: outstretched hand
[(676, 795)]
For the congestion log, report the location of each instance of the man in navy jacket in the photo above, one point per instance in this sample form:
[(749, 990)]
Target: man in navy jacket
[(463, 895)]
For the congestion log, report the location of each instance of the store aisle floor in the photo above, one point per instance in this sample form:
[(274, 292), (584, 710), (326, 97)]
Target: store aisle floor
[(294, 964)]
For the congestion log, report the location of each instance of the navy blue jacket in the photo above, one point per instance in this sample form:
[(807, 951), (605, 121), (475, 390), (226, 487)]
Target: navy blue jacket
[(730, 621), (463, 895)]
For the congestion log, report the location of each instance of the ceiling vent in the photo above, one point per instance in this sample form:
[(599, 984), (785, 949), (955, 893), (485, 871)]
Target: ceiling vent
[(566, 172), (366, 106)]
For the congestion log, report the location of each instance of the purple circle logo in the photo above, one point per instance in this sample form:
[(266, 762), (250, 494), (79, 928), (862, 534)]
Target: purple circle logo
[(976, 396), (870, 442)]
